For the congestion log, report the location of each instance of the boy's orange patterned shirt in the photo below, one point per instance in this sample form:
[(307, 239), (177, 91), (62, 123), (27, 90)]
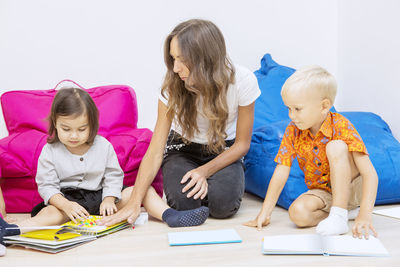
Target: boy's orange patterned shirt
[(310, 150)]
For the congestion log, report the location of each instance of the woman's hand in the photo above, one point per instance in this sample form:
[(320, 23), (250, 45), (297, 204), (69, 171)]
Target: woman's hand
[(107, 206), (129, 212), (75, 211), (198, 181)]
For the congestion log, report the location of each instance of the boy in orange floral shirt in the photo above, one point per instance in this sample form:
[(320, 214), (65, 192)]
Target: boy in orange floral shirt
[(335, 161)]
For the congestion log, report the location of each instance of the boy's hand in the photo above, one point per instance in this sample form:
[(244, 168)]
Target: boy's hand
[(107, 206), (362, 225), (262, 219), (75, 211)]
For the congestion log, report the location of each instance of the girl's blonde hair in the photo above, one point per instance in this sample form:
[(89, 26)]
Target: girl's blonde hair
[(313, 78), (202, 47)]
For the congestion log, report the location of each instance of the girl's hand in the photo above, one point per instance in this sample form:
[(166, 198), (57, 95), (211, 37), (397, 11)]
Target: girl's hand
[(362, 225), (107, 206), (198, 180), (262, 219), (128, 212), (75, 211)]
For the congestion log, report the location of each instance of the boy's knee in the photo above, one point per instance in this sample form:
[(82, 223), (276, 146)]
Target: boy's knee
[(336, 148), (299, 214)]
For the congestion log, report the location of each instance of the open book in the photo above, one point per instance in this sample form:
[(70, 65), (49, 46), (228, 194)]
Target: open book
[(342, 245)]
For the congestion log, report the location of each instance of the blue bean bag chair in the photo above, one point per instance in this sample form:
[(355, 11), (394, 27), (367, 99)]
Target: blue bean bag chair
[(270, 121)]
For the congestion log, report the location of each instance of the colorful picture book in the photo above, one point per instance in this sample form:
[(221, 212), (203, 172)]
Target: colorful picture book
[(203, 237), (90, 227), (314, 244), (54, 239)]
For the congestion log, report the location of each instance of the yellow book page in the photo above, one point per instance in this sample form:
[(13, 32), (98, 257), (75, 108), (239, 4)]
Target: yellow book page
[(51, 234)]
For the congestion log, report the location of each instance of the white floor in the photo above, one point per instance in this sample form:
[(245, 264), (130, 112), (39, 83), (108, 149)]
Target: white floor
[(147, 245)]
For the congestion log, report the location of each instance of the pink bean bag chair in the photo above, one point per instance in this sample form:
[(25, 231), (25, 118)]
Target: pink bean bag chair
[(25, 114)]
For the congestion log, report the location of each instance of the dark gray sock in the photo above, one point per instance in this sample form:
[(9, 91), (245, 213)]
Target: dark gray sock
[(185, 218)]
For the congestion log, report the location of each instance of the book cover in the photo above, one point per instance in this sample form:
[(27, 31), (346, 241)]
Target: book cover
[(203, 237), (52, 234)]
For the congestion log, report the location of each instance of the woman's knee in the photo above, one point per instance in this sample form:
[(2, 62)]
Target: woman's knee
[(179, 201), (222, 212), (174, 168), (225, 191), (222, 208)]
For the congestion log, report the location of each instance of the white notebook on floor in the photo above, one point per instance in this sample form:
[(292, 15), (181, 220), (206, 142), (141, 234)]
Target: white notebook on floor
[(390, 212), (314, 244), (203, 237)]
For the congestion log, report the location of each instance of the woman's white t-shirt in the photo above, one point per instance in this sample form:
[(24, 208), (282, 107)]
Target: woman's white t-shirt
[(243, 92)]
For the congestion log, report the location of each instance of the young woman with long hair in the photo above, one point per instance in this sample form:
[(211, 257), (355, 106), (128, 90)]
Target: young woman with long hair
[(204, 126)]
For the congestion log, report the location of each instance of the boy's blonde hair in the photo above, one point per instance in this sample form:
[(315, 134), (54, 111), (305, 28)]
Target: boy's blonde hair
[(315, 78)]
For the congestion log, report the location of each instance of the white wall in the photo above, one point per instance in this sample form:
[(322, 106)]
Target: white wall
[(98, 42), (369, 58)]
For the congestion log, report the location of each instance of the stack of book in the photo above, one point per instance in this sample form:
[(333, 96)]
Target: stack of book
[(58, 238)]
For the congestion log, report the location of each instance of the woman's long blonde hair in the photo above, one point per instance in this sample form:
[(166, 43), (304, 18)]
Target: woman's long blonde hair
[(202, 47)]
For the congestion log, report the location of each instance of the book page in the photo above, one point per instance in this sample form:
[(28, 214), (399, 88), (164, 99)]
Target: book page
[(390, 212), (293, 244), (347, 245), (15, 239)]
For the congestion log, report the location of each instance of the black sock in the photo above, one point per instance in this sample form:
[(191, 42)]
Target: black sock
[(185, 218), (6, 231)]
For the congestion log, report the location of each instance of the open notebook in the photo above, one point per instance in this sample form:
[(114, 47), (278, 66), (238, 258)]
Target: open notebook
[(314, 244)]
